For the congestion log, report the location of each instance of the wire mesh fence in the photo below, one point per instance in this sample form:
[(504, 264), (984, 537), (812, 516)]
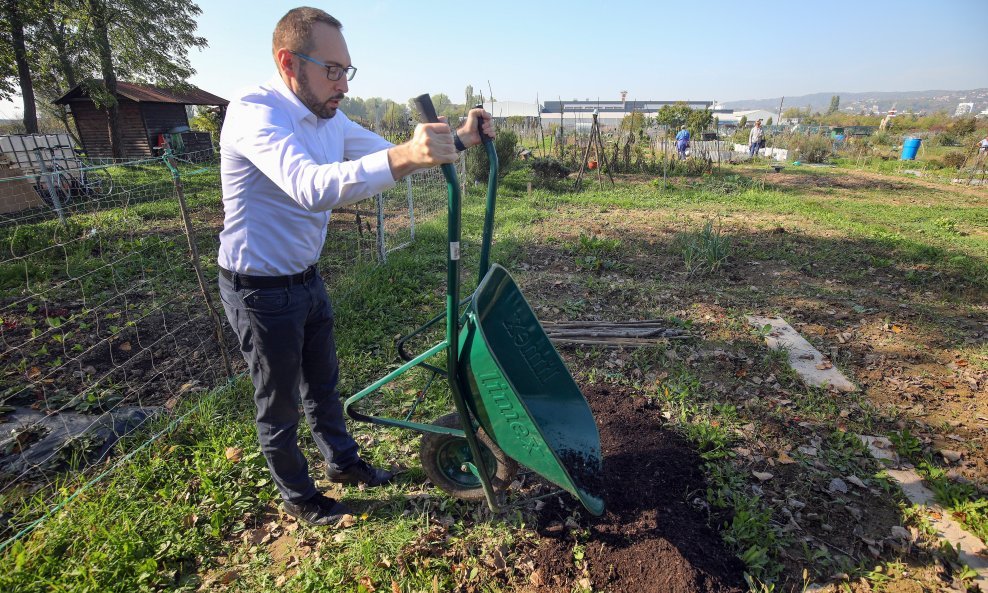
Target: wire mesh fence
[(103, 323)]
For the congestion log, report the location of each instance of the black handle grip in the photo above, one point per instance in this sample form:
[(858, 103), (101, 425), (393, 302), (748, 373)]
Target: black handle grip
[(427, 111), (480, 126)]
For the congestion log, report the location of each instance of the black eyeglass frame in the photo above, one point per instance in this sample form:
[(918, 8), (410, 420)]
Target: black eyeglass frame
[(340, 70)]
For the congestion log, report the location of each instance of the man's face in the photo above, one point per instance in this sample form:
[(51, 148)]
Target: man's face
[(313, 89)]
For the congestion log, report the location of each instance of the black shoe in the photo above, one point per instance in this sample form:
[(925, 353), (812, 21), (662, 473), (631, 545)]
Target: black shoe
[(360, 472), (318, 510)]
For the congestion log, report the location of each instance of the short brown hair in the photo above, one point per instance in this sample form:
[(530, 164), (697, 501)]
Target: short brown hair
[(294, 30)]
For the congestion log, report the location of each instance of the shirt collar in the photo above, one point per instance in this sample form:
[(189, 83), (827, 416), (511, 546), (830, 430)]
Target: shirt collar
[(296, 108)]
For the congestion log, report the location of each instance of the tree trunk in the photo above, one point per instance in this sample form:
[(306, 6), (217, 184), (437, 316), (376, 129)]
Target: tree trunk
[(56, 33), (101, 20), (23, 69)]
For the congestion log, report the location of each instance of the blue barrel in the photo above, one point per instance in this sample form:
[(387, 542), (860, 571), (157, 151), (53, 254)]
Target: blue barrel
[(910, 146)]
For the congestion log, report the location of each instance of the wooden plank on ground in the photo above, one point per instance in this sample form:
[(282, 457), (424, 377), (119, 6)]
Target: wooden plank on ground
[(971, 550), (814, 368)]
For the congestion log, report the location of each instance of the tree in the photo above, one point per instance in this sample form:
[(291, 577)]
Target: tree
[(207, 119), (834, 105), (633, 122), (58, 59), (142, 40), (8, 69), (15, 16), (768, 122), (743, 122), (396, 116)]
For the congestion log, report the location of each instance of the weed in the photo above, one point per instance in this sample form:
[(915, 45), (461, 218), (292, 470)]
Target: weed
[(906, 445), (703, 251)]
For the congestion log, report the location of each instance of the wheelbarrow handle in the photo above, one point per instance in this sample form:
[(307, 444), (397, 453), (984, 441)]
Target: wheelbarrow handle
[(427, 111), (480, 126)]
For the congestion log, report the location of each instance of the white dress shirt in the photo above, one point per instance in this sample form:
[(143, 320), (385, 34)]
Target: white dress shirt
[(283, 170)]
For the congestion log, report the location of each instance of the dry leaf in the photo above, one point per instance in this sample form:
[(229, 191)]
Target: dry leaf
[(280, 581), (33, 373), (234, 454), (763, 476), (347, 521), (825, 365), (535, 578), (896, 329), (368, 584), (228, 577), (395, 587), (960, 362), (124, 346)]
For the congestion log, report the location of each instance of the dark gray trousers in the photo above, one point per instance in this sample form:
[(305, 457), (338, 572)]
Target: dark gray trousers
[(286, 337)]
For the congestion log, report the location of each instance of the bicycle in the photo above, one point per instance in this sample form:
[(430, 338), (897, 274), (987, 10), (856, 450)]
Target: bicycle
[(68, 183)]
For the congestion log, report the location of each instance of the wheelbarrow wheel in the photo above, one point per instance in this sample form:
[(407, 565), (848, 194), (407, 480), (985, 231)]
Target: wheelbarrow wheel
[(444, 460)]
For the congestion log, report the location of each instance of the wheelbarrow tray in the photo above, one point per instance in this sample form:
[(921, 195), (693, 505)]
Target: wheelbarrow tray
[(522, 394)]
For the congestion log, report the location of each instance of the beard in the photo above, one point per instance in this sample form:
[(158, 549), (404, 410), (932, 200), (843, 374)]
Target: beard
[(319, 107)]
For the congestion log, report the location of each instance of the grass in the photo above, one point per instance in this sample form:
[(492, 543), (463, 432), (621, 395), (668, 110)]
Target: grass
[(191, 510)]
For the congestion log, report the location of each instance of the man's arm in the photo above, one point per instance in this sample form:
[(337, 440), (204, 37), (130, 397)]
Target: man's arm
[(469, 132), (432, 144)]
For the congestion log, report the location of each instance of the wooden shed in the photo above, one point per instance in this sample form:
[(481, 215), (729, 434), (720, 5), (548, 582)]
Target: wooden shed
[(146, 113)]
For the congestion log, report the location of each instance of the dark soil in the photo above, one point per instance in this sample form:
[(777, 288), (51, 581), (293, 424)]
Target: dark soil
[(651, 538)]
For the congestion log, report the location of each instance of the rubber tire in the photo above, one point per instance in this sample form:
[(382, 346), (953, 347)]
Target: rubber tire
[(433, 445)]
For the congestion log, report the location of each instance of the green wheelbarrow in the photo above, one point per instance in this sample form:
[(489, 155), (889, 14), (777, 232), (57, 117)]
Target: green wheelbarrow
[(516, 402)]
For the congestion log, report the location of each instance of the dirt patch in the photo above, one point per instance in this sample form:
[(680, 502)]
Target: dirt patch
[(835, 181), (651, 537)]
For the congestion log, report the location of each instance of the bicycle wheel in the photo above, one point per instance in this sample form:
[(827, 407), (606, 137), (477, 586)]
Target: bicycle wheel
[(56, 183), (97, 182)]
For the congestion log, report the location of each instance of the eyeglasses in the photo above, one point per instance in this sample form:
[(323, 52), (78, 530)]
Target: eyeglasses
[(333, 71)]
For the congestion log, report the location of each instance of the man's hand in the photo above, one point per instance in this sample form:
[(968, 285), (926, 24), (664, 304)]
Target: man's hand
[(431, 145), (468, 132)]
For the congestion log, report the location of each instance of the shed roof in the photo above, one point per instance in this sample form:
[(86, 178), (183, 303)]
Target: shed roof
[(147, 93)]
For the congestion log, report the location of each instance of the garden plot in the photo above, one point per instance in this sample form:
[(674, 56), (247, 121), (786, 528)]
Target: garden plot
[(720, 462)]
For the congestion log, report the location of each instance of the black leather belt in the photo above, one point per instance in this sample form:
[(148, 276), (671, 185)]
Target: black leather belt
[(245, 281)]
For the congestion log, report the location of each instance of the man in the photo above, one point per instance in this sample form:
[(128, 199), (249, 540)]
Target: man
[(682, 142), (755, 139), (288, 157), (983, 147)]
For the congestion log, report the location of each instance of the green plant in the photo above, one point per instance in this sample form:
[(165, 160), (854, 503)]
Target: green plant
[(813, 148), (954, 159), (478, 167), (548, 170), (704, 251), (906, 445)]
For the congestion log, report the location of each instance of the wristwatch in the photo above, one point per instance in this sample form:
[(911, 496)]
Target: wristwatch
[(458, 143)]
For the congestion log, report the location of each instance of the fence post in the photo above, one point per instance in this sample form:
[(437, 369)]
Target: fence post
[(382, 253), (169, 160), (411, 208)]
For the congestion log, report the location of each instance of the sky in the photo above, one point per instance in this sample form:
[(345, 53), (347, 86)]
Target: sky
[(656, 50)]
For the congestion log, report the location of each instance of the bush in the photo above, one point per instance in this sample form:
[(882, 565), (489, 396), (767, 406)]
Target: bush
[(695, 166), (955, 159), (478, 166), (549, 170), (812, 149)]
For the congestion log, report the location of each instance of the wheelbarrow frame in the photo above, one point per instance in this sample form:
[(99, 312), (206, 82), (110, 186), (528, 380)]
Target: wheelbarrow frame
[(456, 319)]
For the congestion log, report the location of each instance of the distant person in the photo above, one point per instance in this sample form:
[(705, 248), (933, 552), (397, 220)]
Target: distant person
[(756, 139), (682, 142), (983, 147)]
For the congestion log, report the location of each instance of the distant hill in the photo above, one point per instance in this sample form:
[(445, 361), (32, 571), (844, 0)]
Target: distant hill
[(879, 102)]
